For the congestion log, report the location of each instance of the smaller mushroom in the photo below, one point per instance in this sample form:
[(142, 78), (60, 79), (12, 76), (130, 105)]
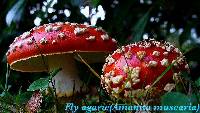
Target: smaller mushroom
[(34, 103), (137, 66)]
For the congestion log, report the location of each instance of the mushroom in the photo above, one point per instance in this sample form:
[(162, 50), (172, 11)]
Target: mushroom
[(138, 65), (34, 103), (51, 46)]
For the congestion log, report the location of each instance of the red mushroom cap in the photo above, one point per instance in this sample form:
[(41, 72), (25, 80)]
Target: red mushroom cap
[(138, 65), (56, 38)]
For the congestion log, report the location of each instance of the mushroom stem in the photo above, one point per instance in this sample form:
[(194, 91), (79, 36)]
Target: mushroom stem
[(67, 80)]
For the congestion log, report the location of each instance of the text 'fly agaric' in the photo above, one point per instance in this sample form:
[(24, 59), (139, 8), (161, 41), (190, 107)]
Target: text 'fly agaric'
[(138, 65), (56, 42)]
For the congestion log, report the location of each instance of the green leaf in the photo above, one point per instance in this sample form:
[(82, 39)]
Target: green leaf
[(175, 99), (186, 33), (75, 2), (139, 27), (95, 2), (197, 82), (163, 73), (186, 75), (1, 87), (40, 84), (194, 98), (54, 72), (22, 98), (16, 12), (7, 98)]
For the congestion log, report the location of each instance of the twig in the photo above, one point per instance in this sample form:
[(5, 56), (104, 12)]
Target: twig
[(190, 89), (92, 70), (54, 90), (7, 75)]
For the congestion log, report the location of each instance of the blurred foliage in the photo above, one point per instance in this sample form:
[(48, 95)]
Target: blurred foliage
[(170, 99), (127, 21)]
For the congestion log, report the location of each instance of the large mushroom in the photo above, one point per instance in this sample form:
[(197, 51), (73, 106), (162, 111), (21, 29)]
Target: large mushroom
[(139, 65), (51, 46)]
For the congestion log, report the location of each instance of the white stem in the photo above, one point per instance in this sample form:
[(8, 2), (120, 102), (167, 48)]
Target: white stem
[(67, 78)]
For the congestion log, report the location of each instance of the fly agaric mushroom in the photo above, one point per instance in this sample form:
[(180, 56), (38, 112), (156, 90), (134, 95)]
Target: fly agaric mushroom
[(138, 65), (50, 46)]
